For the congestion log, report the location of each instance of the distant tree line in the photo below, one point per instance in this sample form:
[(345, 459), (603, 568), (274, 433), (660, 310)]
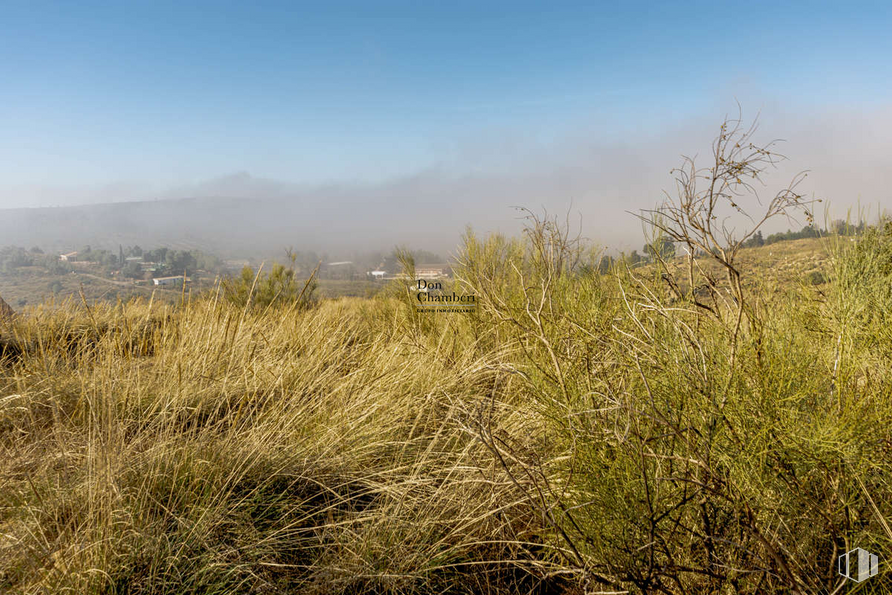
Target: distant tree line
[(838, 227), (15, 257), (166, 261), (664, 248)]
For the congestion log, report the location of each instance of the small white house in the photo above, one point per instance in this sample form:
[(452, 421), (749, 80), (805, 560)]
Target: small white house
[(70, 257), (378, 274), (177, 280)]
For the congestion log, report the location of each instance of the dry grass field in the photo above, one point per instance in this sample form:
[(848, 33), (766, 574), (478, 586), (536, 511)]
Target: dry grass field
[(578, 433)]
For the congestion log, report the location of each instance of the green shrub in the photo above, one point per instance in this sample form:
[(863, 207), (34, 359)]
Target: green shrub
[(260, 289)]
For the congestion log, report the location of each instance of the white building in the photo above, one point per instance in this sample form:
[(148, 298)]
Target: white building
[(432, 271), (177, 280)]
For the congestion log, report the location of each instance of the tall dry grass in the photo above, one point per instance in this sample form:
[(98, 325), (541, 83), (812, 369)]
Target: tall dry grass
[(580, 432), (205, 448)]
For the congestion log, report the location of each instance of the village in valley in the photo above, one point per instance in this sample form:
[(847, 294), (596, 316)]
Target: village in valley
[(32, 276)]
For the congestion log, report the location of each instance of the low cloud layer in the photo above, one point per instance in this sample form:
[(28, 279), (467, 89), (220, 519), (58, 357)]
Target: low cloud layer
[(479, 179)]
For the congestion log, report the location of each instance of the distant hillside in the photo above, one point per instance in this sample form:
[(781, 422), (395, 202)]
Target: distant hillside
[(233, 226), (221, 225)]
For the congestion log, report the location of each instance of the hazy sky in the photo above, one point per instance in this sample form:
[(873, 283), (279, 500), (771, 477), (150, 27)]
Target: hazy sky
[(125, 100)]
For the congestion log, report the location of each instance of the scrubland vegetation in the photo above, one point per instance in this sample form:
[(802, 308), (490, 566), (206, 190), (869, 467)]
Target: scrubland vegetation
[(659, 429)]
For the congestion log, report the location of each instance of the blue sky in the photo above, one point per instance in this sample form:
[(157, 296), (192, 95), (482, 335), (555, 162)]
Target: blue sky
[(168, 92)]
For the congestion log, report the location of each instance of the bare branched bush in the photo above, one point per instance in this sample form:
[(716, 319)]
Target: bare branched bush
[(696, 216)]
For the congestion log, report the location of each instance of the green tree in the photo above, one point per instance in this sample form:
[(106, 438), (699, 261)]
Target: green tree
[(756, 241), (663, 248), (132, 270), (633, 258)]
